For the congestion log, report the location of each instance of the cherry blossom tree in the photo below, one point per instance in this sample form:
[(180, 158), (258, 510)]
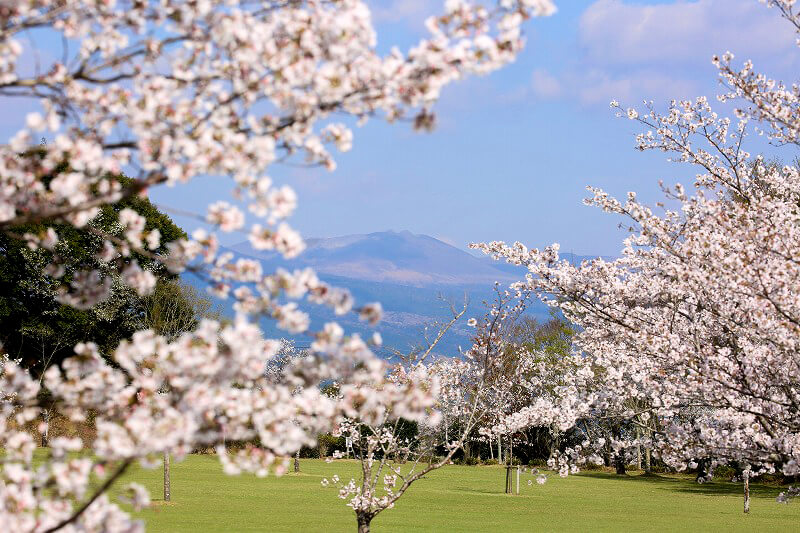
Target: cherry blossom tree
[(174, 91), (535, 366), (698, 322), (396, 448), (455, 389), (538, 386)]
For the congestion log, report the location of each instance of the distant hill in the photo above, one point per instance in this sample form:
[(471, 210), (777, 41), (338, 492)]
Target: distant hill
[(392, 257), (415, 277)]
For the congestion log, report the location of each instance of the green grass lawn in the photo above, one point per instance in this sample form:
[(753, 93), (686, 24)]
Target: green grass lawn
[(456, 498)]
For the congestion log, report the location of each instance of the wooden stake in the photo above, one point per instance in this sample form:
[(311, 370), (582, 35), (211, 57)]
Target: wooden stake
[(166, 476), (746, 477)]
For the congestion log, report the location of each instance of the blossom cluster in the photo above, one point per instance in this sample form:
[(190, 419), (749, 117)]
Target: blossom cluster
[(693, 331), (170, 91)]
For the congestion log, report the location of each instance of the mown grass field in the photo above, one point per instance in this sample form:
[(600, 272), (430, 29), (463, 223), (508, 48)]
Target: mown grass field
[(456, 498)]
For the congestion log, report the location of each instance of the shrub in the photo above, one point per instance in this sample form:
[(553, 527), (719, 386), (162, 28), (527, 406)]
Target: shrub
[(724, 472), (327, 444)]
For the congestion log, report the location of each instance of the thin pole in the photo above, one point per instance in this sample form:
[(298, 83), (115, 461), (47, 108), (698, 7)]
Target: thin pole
[(746, 476), (166, 476)]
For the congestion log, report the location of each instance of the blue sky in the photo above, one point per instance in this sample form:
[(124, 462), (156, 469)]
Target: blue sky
[(514, 151)]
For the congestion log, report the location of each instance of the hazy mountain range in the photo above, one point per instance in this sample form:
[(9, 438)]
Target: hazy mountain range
[(415, 277), (401, 258)]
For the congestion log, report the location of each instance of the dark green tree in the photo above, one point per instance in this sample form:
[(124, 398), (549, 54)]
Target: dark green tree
[(39, 330)]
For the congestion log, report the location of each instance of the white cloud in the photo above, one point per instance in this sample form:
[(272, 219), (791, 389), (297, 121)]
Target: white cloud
[(615, 32), (545, 85), (597, 87), (633, 51), (600, 87)]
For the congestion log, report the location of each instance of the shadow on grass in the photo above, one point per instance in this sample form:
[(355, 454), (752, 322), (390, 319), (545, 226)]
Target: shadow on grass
[(497, 491), (687, 485)]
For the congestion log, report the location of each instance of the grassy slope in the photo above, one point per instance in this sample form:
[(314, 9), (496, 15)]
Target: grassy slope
[(456, 499)]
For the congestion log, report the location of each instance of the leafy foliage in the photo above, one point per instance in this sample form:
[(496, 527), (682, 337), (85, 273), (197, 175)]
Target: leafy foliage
[(37, 328)]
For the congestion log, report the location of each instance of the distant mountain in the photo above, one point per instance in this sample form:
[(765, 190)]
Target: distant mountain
[(393, 257), (416, 278)]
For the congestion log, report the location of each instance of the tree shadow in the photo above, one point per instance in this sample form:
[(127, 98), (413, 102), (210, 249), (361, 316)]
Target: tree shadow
[(477, 490), (689, 486)]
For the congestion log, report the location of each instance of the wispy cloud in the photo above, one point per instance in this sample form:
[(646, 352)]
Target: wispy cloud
[(600, 87), (632, 51), (545, 85), (616, 32)]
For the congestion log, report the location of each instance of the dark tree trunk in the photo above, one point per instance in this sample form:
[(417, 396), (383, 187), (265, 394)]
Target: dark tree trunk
[(619, 464), (619, 456), (363, 522), (297, 462), (702, 471)]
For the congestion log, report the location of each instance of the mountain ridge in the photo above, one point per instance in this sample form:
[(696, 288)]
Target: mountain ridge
[(389, 256), (416, 278)]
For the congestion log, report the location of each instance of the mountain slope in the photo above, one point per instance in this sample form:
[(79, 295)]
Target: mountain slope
[(395, 257), (416, 278)]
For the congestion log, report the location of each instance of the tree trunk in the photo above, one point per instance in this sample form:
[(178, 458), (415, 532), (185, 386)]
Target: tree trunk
[(647, 466), (491, 449), (555, 442), (363, 523), (746, 478), (467, 450), (297, 462), (702, 474), (166, 476), (499, 449), (322, 446), (638, 449), (619, 464), (46, 432)]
